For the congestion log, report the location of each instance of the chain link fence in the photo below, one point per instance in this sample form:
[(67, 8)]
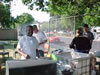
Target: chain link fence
[(64, 26), (59, 32)]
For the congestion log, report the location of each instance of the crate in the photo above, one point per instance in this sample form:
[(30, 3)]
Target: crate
[(80, 65)]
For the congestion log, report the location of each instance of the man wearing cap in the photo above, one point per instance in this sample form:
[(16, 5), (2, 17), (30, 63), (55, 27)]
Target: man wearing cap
[(87, 33)]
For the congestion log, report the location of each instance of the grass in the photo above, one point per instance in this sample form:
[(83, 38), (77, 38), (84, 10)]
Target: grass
[(10, 48)]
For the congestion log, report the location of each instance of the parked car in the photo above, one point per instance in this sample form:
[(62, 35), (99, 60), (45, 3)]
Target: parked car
[(97, 29), (52, 38)]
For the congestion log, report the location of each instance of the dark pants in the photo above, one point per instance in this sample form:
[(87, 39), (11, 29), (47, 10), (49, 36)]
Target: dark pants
[(40, 53)]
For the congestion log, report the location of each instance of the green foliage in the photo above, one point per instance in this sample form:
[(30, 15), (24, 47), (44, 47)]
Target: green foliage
[(6, 1), (67, 23), (44, 26), (71, 7), (41, 4), (24, 18), (85, 11), (5, 17), (7, 21)]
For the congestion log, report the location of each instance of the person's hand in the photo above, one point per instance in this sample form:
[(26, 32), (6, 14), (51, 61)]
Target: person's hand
[(40, 43), (26, 56)]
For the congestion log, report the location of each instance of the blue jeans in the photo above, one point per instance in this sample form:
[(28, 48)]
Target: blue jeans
[(82, 51), (40, 53)]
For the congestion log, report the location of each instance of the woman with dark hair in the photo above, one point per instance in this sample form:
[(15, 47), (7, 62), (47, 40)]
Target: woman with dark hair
[(80, 43)]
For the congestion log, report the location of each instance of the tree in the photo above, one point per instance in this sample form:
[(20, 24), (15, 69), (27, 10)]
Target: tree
[(24, 18), (82, 9), (44, 26), (5, 17), (41, 4), (72, 7)]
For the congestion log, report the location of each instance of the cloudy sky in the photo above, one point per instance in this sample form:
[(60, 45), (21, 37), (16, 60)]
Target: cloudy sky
[(17, 8)]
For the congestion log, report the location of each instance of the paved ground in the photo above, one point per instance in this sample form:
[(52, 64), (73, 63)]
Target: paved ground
[(65, 41)]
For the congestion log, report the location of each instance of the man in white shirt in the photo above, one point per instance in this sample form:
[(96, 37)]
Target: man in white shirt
[(27, 45), (41, 37)]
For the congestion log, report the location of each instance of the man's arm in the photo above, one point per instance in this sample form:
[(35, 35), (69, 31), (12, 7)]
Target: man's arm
[(22, 53), (72, 44), (43, 42), (44, 38), (91, 37)]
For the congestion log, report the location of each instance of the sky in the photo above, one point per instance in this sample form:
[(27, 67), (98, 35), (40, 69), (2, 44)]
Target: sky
[(17, 8)]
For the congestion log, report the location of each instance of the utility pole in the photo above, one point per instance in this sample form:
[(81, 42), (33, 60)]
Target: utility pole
[(74, 24), (49, 34)]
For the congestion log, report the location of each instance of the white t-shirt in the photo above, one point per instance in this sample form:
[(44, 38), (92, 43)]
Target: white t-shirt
[(40, 36), (28, 45)]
